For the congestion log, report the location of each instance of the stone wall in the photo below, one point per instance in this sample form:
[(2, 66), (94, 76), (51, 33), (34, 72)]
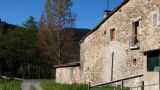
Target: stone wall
[(97, 49), (68, 75)]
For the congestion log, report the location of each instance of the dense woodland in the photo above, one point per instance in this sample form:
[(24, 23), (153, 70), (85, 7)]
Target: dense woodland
[(21, 54)]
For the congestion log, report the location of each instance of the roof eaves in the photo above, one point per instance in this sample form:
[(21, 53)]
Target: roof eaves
[(106, 18), (74, 64)]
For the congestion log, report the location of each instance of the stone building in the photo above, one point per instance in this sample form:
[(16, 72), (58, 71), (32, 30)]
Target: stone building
[(125, 43), (68, 73)]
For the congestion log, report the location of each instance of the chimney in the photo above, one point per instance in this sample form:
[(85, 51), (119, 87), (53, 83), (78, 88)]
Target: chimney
[(106, 13)]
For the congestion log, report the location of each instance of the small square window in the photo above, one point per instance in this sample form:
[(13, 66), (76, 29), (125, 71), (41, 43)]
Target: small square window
[(134, 62)]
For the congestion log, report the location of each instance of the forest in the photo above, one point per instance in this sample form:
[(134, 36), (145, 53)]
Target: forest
[(29, 52), (19, 53)]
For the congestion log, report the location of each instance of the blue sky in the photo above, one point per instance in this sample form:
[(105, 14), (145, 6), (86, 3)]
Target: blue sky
[(89, 12)]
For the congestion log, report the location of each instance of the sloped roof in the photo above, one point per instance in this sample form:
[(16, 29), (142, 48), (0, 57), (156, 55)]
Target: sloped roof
[(106, 18)]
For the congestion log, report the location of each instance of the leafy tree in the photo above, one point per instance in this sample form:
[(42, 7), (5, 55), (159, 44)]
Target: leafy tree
[(31, 24)]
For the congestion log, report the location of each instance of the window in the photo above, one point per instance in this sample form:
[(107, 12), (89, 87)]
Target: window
[(134, 34), (134, 62), (155, 19), (153, 61), (112, 35)]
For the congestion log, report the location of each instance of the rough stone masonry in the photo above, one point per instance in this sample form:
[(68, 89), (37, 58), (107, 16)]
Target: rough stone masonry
[(104, 59)]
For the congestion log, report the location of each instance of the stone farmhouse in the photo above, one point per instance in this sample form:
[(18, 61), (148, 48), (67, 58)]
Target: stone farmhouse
[(125, 43)]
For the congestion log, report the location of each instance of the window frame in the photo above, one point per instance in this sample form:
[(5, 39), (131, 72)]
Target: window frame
[(133, 35)]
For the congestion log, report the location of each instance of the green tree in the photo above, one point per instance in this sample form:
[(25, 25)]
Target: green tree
[(17, 46), (31, 24)]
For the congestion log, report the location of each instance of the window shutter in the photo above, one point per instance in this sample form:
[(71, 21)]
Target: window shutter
[(155, 20), (158, 19), (132, 37), (133, 29), (110, 35)]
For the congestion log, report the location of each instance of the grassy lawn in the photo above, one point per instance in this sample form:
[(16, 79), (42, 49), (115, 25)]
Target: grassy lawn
[(10, 85), (51, 85), (32, 88), (108, 88)]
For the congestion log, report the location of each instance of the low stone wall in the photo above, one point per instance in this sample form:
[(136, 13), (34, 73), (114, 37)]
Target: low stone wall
[(68, 75)]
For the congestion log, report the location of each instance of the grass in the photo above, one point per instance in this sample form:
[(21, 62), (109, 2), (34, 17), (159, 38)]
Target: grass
[(51, 85), (10, 84), (32, 87), (108, 87)]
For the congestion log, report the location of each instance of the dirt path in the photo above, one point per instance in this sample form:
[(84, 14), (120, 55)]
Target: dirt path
[(27, 83)]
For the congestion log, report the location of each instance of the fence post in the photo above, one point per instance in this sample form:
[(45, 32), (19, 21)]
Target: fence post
[(142, 88), (89, 85), (122, 85)]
